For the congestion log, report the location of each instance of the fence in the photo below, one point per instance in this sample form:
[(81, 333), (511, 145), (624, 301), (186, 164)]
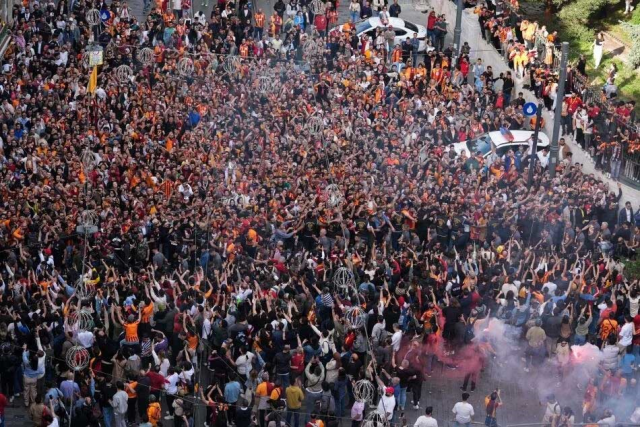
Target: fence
[(630, 169)]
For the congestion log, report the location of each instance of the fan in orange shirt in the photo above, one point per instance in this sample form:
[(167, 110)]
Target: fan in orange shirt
[(130, 327)]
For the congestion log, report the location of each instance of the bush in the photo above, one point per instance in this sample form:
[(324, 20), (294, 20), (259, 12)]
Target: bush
[(632, 269), (634, 34)]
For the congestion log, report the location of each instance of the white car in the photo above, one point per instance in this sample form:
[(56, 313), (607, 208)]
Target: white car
[(483, 144), (402, 28)]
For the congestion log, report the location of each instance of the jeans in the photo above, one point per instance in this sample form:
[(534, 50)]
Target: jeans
[(18, 380), (341, 405), (430, 359), (402, 398), (615, 168), (295, 413), (120, 420), (355, 16), (284, 380), (107, 413), (257, 33), (457, 424), (310, 403), (567, 124)]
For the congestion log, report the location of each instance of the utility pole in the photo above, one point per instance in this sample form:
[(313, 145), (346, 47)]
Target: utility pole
[(557, 119), (534, 146), (457, 33)]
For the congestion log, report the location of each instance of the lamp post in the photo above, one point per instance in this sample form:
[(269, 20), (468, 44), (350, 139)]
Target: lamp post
[(457, 32), (557, 119), (534, 146)]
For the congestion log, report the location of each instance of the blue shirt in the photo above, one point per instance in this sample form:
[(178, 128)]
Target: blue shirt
[(232, 392), (626, 363)]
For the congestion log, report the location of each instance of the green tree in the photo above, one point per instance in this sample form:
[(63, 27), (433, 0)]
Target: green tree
[(634, 33)]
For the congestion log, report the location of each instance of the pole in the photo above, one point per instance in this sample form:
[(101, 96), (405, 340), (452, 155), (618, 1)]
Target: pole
[(534, 146), (557, 119), (457, 33)]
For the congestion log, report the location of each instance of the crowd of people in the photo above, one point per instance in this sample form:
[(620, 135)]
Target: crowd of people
[(601, 123), (275, 225)]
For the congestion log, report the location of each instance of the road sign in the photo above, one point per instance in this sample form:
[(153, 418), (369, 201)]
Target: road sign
[(529, 109)]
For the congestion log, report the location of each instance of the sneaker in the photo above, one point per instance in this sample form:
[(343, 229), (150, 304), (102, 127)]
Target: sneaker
[(416, 406), (168, 417), (526, 369), (463, 389), (11, 399)]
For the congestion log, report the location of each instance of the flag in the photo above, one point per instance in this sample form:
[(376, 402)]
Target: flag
[(506, 133), (93, 81)]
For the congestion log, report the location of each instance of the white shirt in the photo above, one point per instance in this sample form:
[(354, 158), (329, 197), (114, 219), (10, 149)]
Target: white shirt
[(426, 421), (544, 159), (386, 405), (86, 339), (634, 304), (626, 334), (206, 328), (395, 340), (172, 383), (509, 287), (551, 286), (243, 363), (463, 411)]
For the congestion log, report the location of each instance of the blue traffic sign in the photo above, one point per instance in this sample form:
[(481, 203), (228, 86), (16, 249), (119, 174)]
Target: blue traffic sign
[(105, 15), (529, 109)]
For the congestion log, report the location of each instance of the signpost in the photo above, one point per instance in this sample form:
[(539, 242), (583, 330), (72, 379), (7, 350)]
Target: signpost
[(529, 110)]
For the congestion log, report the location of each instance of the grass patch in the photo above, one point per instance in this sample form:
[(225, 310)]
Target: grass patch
[(628, 80)]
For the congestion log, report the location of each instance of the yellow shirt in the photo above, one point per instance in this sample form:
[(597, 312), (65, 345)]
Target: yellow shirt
[(295, 396)]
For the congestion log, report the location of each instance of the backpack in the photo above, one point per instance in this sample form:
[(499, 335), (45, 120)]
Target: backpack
[(326, 403), (280, 402), (240, 340)]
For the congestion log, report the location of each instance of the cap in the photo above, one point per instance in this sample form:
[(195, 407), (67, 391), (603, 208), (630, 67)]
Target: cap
[(389, 390)]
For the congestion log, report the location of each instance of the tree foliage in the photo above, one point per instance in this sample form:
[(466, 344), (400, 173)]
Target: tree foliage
[(634, 34), (577, 14)]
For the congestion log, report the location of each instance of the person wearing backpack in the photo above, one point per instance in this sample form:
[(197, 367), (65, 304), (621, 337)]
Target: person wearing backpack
[(326, 404), (315, 373)]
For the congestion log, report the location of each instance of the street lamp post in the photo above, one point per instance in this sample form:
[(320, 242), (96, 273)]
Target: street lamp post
[(457, 32), (557, 119)]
